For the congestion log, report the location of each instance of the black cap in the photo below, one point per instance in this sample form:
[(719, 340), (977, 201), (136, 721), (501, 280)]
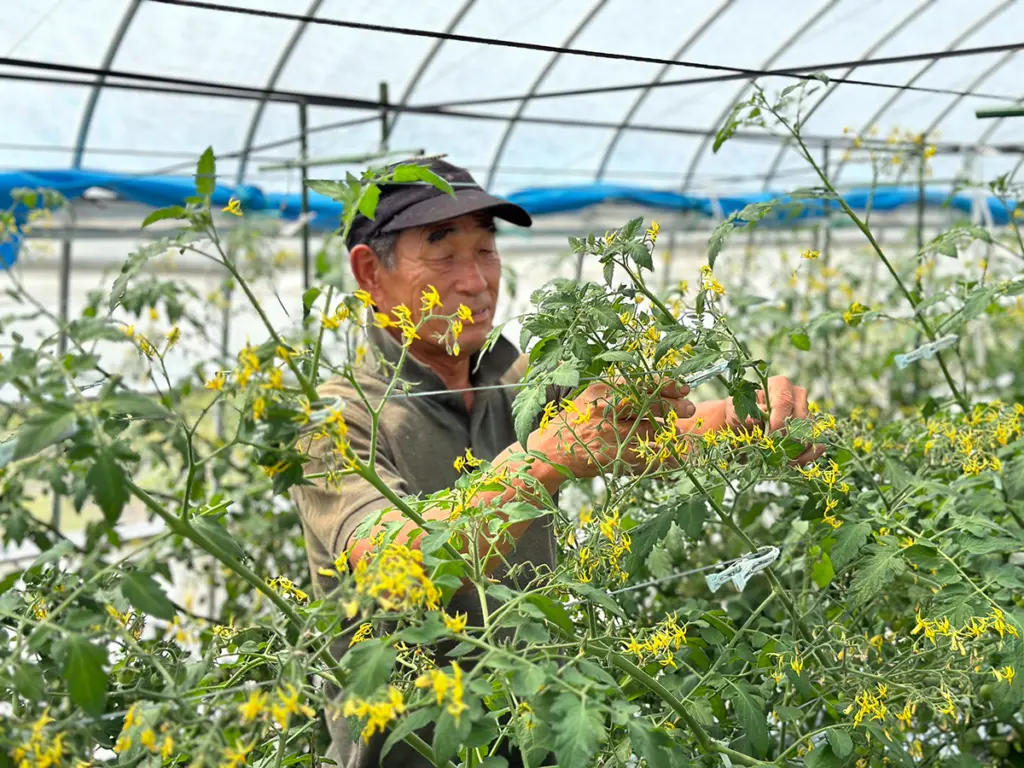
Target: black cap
[(417, 204)]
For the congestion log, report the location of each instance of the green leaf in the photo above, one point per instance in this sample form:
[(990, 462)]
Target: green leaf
[(528, 404), (718, 237), (108, 484), (170, 212), (215, 533), (411, 173), (413, 722), (449, 735), (553, 612), (206, 173), (688, 513), (84, 674), (801, 341), (789, 714), (333, 189), (368, 201), (142, 591), (41, 430), (751, 717), (579, 731), (494, 761), (431, 628), (822, 756), (653, 745), (822, 571), (848, 541), (310, 296), (370, 662), (879, 568), (840, 742), (28, 681), (594, 595), (136, 404)]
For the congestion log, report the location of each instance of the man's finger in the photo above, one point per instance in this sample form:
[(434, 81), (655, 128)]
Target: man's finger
[(800, 409), (782, 408), (812, 453)]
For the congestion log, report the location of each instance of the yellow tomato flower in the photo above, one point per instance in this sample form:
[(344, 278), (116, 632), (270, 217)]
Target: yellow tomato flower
[(234, 206)]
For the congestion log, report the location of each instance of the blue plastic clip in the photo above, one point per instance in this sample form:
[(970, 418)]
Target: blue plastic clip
[(698, 378), (926, 351)]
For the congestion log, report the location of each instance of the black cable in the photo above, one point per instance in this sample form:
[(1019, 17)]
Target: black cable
[(220, 90), (800, 73), (734, 73)]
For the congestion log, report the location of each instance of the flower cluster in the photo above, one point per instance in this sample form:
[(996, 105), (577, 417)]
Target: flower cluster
[(379, 713), (446, 688), (402, 321), (397, 579), (659, 644), (973, 629), (606, 549), (972, 440), (285, 587), (869, 704), (281, 707), (135, 725), (708, 281), (40, 751), (852, 317), (830, 481), (796, 663)]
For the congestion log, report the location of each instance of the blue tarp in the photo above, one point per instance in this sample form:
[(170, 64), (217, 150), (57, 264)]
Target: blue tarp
[(160, 191)]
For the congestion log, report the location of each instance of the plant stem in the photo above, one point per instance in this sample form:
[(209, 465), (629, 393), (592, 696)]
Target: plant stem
[(184, 529), (925, 325)]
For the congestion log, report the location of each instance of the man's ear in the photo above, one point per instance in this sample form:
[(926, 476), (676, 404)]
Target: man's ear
[(366, 269)]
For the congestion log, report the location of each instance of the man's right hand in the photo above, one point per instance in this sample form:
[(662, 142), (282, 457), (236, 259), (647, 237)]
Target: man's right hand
[(588, 434)]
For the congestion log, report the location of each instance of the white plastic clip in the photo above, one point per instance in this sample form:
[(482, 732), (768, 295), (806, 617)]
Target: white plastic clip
[(926, 351), (698, 378), (741, 570)]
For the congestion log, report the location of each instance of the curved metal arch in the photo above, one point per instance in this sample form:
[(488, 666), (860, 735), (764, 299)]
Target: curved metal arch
[(275, 74), (94, 95), (768, 63), (843, 162), (1003, 61), (537, 82), (893, 31), (428, 60), (665, 68)]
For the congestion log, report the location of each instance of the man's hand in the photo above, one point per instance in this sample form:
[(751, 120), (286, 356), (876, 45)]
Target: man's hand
[(586, 436), (787, 401)]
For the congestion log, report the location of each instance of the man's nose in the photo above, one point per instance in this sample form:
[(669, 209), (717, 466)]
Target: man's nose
[(471, 278)]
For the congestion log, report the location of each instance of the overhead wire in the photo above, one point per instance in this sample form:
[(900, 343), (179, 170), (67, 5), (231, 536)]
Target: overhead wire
[(730, 73)]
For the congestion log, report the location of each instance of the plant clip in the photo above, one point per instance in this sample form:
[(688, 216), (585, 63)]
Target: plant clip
[(698, 378), (741, 570), (927, 350)]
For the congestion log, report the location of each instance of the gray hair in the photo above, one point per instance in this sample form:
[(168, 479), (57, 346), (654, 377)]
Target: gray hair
[(384, 246)]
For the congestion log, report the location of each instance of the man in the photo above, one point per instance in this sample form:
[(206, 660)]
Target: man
[(423, 237)]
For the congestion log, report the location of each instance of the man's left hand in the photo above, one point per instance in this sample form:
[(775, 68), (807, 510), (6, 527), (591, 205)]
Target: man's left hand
[(787, 401)]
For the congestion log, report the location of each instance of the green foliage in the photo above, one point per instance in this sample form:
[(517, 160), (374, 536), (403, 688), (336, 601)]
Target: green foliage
[(887, 632)]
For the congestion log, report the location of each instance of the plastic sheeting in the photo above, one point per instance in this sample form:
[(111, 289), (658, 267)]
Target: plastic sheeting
[(161, 191)]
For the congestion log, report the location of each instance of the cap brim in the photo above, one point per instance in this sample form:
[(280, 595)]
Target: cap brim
[(444, 207)]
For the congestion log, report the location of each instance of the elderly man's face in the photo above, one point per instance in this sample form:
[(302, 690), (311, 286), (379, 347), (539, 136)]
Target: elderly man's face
[(460, 259)]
